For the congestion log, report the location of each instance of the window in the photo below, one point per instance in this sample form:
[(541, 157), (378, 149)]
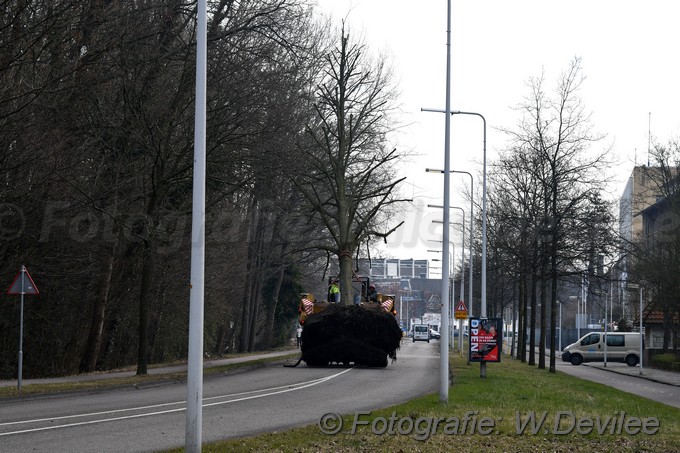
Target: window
[(615, 340), (593, 338)]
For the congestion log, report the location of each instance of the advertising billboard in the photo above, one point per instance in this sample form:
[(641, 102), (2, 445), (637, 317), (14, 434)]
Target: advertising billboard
[(485, 340)]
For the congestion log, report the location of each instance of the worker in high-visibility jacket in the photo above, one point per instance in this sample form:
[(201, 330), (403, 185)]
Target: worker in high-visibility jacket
[(334, 292)]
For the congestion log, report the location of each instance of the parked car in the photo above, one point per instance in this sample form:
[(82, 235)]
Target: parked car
[(435, 335)]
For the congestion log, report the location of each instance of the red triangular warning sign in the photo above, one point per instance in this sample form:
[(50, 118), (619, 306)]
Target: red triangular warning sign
[(461, 306), (23, 283)]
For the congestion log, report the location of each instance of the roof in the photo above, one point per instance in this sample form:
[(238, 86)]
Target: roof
[(655, 316)]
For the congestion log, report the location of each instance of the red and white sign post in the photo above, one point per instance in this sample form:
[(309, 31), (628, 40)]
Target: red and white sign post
[(22, 284)]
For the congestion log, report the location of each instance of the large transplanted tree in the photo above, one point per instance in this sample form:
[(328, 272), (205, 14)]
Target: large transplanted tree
[(347, 175)]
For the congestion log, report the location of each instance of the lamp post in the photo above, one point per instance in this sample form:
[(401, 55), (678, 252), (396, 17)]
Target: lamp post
[(472, 223), (560, 337), (462, 277), (483, 285), (482, 365), (642, 336), (444, 346), (444, 343), (578, 319), (448, 290), (606, 326), (194, 411)]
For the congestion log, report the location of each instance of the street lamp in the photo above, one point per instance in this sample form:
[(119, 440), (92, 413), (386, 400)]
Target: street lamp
[(642, 337), (560, 336), (447, 277), (462, 253), (444, 342), (472, 223), (462, 278), (446, 185), (578, 315)]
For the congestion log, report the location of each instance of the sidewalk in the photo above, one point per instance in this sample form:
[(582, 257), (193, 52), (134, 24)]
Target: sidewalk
[(651, 374), (152, 371)]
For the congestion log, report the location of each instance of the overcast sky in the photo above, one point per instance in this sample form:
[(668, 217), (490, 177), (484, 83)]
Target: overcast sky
[(629, 58)]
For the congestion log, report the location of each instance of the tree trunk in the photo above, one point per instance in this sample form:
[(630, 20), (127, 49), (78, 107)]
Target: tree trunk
[(248, 285), (94, 339), (544, 309), (271, 309), (256, 300), (522, 317), (553, 301), (144, 300), (532, 321), (245, 314), (346, 296), (513, 348)]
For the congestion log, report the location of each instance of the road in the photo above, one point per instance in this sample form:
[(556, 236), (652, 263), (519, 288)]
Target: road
[(266, 399)]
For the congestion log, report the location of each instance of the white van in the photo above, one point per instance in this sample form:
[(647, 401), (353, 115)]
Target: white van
[(621, 347), (421, 332)]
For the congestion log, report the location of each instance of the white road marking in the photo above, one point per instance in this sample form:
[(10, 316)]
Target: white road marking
[(269, 392)]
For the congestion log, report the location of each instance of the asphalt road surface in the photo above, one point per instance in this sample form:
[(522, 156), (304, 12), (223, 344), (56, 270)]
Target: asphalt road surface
[(244, 403)]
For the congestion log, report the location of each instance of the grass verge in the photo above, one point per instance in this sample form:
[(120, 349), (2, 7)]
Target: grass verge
[(517, 408)]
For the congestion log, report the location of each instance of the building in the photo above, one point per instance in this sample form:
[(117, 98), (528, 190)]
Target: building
[(641, 192), (393, 268)]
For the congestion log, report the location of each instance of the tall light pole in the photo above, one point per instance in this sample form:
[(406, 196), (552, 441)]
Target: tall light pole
[(194, 414), (462, 277), (447, 277), (472, 223), (642, 336), (462, 253), (483, 284), (560, 338), (444, 347), (605, 327), (483, 307), (444, 343), (578, 319), (482, 365)]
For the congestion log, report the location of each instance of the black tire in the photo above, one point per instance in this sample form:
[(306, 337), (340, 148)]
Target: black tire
[(380, 362), (576, 359), (317, 363), (631, 360)]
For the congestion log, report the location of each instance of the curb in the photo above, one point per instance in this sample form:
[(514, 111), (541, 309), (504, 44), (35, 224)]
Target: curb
[(639, 376)]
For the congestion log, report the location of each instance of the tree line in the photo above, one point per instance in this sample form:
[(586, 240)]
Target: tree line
[(551, 231), (96, 157)]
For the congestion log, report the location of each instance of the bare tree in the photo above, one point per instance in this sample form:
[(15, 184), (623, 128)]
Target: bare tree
[(348, 176), (555, 136)]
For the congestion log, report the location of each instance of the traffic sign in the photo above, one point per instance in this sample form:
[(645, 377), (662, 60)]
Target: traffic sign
[(461, 311), (23, 284)]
